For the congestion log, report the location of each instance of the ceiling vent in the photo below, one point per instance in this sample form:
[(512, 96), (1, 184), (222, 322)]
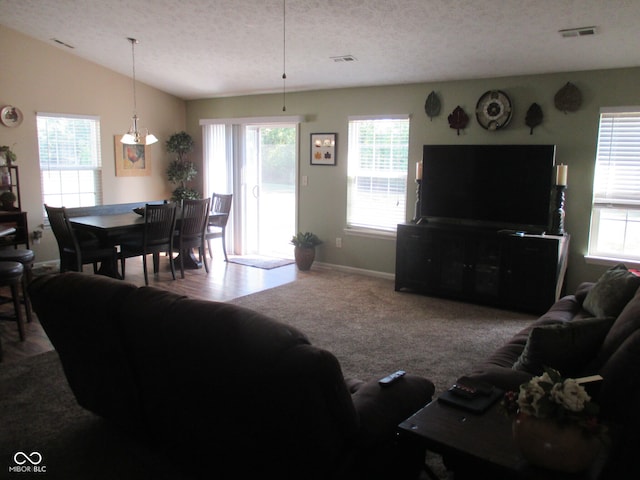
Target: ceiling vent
[(344, 58), (60, 42), (578, 32)]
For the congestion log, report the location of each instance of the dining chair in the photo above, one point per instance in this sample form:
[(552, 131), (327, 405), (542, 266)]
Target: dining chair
[(216, 228), (75, 253), (193, 223), (157, 237)]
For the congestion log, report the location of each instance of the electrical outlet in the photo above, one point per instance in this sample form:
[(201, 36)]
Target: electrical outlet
[(305, 180), (338, 242)]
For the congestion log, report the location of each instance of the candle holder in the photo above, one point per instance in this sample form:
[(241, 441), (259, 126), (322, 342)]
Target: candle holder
[(417, 216), (557, 216)]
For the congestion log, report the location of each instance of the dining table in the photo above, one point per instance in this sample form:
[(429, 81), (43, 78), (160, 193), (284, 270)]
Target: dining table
[(112, 229)]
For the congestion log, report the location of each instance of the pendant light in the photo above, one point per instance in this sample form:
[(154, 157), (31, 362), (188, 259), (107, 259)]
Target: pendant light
[(284, 54), (135, 136)]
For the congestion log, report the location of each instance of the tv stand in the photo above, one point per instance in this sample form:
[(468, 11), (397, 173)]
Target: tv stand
[(503, 268)]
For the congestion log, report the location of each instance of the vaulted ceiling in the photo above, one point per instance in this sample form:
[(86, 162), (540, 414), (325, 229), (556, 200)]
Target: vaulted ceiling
[(210, 48)]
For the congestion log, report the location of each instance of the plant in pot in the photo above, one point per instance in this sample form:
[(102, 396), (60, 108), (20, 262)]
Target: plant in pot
[(9, 156), (181, 170), (305, 249), (7, 199)]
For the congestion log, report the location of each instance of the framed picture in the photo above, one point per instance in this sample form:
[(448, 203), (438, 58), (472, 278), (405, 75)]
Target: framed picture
[(131, 160), (323, 149)]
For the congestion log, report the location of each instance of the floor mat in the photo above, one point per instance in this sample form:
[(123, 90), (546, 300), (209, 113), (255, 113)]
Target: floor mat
[(259, 261)]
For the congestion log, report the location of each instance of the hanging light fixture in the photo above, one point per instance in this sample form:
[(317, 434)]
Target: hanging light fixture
[(135, 135), (284, 54)]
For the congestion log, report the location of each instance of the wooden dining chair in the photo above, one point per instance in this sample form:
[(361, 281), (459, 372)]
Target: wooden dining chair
[(191, 231), (216, 228), (157, 237), (73, 252)]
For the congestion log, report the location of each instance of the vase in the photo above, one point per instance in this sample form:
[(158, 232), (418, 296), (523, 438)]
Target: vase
[(545, 443), (304, 257)]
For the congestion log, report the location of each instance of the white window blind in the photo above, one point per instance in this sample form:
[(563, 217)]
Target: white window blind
[(377, 171), (70, 160), (615, 215)]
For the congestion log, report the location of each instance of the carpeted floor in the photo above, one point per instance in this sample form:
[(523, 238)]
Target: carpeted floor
[(369, 327)]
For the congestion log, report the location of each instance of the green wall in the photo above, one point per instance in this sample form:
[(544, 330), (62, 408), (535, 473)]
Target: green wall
[(322, 204)]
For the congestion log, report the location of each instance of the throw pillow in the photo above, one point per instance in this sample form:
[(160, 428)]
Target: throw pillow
[(612, 292), (566, 346)]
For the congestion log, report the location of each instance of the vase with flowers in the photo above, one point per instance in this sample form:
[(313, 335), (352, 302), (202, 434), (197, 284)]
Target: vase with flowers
[(555, 422)]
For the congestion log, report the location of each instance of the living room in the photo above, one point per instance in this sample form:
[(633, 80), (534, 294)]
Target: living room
[(41, 76)]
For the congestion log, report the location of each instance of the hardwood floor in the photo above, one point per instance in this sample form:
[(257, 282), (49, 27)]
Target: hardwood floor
[(225, 281)]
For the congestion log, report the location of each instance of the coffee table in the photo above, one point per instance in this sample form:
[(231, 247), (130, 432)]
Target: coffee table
[(480, 444)]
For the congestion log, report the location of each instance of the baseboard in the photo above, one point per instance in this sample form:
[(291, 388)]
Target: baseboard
[(360, 271)]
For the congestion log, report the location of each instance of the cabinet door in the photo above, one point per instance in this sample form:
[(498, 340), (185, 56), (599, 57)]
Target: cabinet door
[(530, 273), (416, 259), (485, 257), (454, 263)]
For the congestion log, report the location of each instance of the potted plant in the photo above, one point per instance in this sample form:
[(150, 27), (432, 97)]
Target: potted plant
[(556, 424), (305, 249), (181, 170), (7, 199), (10, 157)]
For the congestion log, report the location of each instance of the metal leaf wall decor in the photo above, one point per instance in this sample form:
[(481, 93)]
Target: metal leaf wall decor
[(458, 119), (432, 105), (534, 117), (568, 98)]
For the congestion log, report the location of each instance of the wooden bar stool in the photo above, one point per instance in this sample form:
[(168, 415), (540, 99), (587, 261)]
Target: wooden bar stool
[(11, 276), (25, 257)]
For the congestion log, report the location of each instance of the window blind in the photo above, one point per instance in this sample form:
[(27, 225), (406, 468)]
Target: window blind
[(617, 175), (377, 170), (70, 159)]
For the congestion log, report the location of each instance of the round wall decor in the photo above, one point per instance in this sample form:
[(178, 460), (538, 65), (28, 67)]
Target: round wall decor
[(10, 116), (493, 110)]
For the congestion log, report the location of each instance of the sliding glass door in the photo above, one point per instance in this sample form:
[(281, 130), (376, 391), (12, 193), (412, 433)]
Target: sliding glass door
[(256, 160), (269, 190)]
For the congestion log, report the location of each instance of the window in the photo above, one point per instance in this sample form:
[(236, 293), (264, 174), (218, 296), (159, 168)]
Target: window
[(70, 160), (377, 170), (615, 214)]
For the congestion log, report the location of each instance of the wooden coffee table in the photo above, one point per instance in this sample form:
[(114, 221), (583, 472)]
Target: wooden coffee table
[(475, 443)]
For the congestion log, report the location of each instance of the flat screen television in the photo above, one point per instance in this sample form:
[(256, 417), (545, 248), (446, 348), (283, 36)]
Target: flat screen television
[(503, 186)]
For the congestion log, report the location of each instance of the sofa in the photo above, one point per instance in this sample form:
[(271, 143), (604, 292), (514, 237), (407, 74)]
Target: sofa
[(596, 330), (220, 391)]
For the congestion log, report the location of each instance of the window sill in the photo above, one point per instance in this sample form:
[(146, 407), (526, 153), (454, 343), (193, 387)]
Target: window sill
[(611, 261), (370, 233)]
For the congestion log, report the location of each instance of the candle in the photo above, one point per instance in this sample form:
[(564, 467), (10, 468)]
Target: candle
[(561, 174), (418, 170)]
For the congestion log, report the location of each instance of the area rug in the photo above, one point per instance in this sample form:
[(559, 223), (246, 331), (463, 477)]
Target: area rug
[(259, 261)]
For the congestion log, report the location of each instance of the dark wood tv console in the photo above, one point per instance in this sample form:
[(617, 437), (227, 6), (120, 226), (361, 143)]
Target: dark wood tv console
[(481, 265)]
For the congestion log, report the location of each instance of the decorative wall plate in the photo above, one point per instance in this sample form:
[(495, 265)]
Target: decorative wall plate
[(493, 110), (10, 116)]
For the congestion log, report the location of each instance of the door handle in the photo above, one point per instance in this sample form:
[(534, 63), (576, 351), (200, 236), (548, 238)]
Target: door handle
[(255, 191)]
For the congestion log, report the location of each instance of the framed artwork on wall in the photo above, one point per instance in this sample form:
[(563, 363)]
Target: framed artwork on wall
[(131, 160), (323, 149)]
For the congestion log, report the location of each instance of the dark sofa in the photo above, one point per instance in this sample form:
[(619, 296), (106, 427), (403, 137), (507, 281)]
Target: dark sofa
[(221, 391), (594, 331)]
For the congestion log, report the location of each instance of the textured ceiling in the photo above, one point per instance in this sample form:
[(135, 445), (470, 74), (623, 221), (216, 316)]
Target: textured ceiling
[(200, 49)]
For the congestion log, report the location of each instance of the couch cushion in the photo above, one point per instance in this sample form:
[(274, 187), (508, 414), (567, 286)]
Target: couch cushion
[(612, 292), (565, 346)]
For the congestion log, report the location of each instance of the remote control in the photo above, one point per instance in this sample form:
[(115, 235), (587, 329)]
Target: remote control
[(389, 379)]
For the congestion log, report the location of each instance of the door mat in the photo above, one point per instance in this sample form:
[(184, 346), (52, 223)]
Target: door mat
[(260, 262)]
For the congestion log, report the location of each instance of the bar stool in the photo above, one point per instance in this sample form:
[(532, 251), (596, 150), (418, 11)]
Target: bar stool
[(11, 276), (26, 258)]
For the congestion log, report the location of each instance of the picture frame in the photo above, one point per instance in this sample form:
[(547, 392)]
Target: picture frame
[(323, 149), (131, 160)]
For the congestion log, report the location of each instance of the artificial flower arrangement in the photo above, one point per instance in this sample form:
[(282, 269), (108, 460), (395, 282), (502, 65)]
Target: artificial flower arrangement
[(550, 396)]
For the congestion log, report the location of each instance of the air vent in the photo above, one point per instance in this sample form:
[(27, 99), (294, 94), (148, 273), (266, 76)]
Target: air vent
[(344, 58), (578, 32), (60, 42)]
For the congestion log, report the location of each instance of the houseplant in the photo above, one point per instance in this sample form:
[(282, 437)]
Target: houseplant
[(10, 157), (555, 424), (181, 170), (305, 249)]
